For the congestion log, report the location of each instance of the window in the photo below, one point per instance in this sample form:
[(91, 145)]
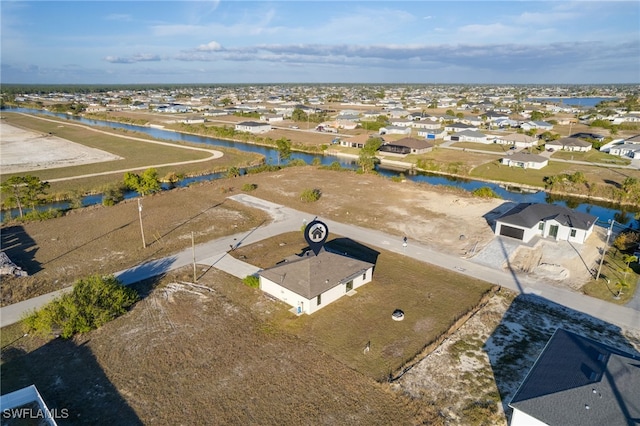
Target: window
[(319, 300), (573, 232), (364, 276), (541, 226)]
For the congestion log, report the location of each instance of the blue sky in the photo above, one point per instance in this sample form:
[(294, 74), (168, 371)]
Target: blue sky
[(494, 42)]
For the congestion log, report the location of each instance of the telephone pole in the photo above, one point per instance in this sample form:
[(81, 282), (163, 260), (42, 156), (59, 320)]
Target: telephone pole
[(604, 250), (144, 244)]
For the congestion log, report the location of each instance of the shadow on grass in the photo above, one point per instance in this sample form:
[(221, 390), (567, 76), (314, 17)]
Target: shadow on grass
[(524, 332), (71, 382)]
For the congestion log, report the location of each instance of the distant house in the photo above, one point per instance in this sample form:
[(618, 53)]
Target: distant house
[(569, 144), (579, 381), (432, 134), (253, 127), (468, 136), (631, 150), (458, 127), (527, 220), (425, 124), (394, 130), (310, 282), (493, 116), (194, 119), (525, 160), (519, 140), (538, 125), (271, 118), (356, 141), (406, 146)]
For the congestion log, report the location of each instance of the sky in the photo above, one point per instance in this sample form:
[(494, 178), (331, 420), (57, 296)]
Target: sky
[(228, 42)]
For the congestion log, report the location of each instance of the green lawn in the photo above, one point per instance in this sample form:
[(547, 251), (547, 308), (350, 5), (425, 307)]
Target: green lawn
[(432, 299), (592, 156)]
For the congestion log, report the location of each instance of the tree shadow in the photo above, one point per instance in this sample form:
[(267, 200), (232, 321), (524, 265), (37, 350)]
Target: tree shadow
[(525, 330), (20, 248), (70, 380)]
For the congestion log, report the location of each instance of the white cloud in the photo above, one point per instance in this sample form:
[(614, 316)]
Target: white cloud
[(212, 46), (139, 57)]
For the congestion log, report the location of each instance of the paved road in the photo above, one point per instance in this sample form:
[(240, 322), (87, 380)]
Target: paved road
[(214, 254)]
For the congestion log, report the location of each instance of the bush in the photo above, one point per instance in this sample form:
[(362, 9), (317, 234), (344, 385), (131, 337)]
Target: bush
[(252, 281), (310, 195), (485, 192), (93, 302), (248, 187), (296, 162)]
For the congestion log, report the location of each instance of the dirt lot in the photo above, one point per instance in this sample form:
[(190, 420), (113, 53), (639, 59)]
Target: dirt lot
[(24, 150)]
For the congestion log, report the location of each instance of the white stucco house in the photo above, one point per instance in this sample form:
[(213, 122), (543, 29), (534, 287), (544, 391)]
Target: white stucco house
[(525, 160), (468, 136), (519, 140), (631, 150), (578, 381), (253, 127), (528, 220), (569, 144), (311, 282)]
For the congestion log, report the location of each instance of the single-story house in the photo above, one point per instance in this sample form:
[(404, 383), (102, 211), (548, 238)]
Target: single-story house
[(215, 113), (631, 150), (426, 124), (401, 122), (394, 130), (458, 127), (579, 381), (525, 160), (253, 127), (468, 136), (569, 144), (194, 119), (311, 282), (406, 146), (270, 118), (357, 141), (538, 125), (527, 220), (519, 140), (505, 122), (493, 116), (432, 134)]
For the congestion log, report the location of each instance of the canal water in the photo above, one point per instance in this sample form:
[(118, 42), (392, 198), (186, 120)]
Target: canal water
[(604, 211)]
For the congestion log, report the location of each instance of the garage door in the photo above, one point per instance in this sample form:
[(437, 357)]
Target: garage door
[(510, 231)]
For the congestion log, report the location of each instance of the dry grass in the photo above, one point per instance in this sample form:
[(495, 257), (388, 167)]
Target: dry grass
[(432, 299)]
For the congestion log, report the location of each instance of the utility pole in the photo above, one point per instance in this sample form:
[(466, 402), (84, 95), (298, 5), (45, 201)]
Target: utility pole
[(144, 244), (604, 251), (193, 250)]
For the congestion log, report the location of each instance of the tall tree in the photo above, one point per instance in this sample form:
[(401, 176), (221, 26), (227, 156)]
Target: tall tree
[(146, 183), (22, 191), (367, 158), (284, 149)]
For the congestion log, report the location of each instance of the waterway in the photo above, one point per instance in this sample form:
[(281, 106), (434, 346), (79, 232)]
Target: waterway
[(624, 216)]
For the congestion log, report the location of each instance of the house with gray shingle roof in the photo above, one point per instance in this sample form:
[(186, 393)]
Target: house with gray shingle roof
[(527, 220), (406, 146), (569, 144), (525, 160), (311, 282), (579, 381)]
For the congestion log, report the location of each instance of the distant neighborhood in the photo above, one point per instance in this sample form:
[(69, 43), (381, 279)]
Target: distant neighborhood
[(517, 117)]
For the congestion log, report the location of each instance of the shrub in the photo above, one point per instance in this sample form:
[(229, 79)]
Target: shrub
[(310, 195), (248, 187), (296, 163), (485, 192), (93, 302), (251, 281)]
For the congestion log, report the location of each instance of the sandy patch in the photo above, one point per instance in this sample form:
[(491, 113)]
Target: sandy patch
[(24, 150)]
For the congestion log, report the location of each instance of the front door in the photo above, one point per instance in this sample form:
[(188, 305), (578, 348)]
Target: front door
[(553, 231), (349, 286)]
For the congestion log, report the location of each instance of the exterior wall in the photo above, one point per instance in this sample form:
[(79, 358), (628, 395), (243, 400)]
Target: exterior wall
[(253, 129), (518, 418), (564, 232), (310, 306)]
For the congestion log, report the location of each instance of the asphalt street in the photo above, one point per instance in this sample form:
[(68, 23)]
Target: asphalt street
[(214, 254)]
